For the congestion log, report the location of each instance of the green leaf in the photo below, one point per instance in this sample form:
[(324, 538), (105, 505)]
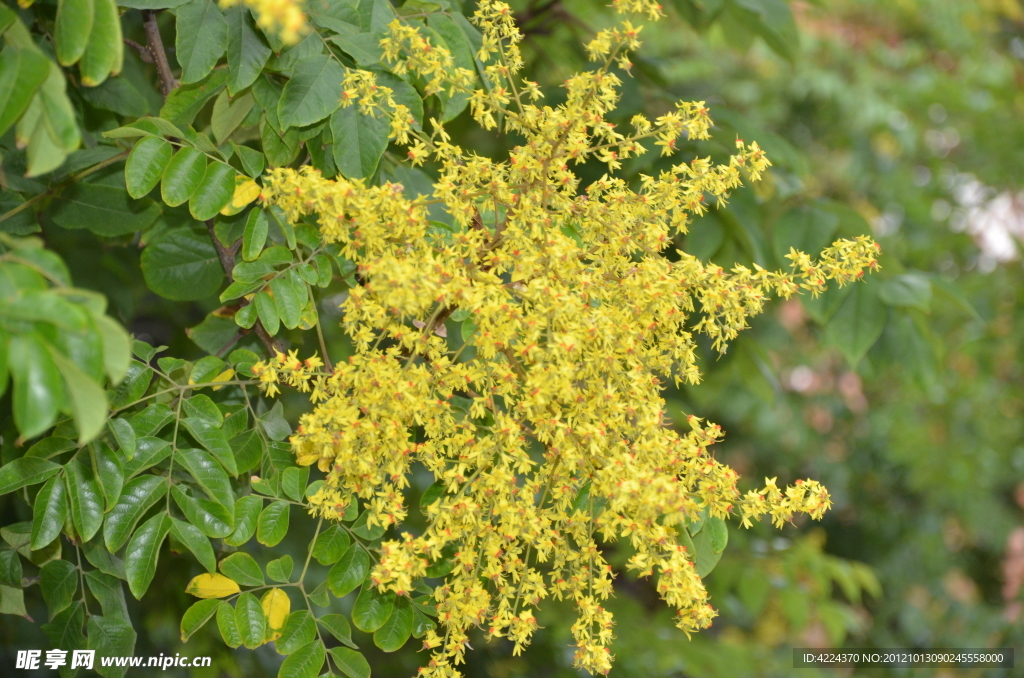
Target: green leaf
[(338, 626), (104, 561), (267, 310), (143, 551), (228, 114), (214, 440), (858, 323), (65, 631), (37, 387), (202, 38), (398, 627), (25, 471), (71, 30), (88, 399), (50, 447), (111, 636), (196, 542), (185, 101), (214, 192), (181, 264), (279, 148), (805, 229), (116, 350), (58, 580), (102, 205), (280, 569), (242, 568), (913, 290), (247, 513), (49, 512), (255, 235), (352, 664), (151, 4), (182, 175), (718, 534), (360, 529), (249, 449), (421, 623), (133, 386), (212, 519), (252, 160), (250, 620), (228, 626), (247, 49), (196, 616), (273, 523), (289, 297), (125, 436), (304, 662), (136, 498), (201, 407), (149, 451), (313, 92), (331, 545), (22, 71), (705, 557), (146, 164), (85, 496), (109, 592), (107, 469), (359, 141), (208, 474), (349, 572), (299, 630), (372, 608), (773, 21)]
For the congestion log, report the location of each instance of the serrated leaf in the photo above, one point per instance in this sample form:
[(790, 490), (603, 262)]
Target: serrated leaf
[(143, 552)]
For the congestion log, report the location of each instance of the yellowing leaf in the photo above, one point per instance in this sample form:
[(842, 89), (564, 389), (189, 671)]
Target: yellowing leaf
[(226, 375), (276, 606), (211, 586), (246, 190)]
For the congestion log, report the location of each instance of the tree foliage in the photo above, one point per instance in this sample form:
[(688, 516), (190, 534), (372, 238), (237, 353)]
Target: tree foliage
[(512, 376)]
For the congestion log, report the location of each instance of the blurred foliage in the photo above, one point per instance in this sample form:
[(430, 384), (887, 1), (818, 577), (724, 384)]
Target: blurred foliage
[(903, 396)]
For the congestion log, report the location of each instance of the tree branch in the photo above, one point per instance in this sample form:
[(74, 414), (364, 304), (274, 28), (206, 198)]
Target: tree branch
[(227, 262), (156, 48)]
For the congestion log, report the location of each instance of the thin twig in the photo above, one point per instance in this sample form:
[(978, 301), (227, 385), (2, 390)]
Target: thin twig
[(156, 48), (143, 50)]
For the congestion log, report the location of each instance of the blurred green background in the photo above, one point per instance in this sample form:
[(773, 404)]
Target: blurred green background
[(904, 396)]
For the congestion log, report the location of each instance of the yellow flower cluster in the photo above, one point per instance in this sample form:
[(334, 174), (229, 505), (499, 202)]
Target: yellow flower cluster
[(284, 17), (546, 426)]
